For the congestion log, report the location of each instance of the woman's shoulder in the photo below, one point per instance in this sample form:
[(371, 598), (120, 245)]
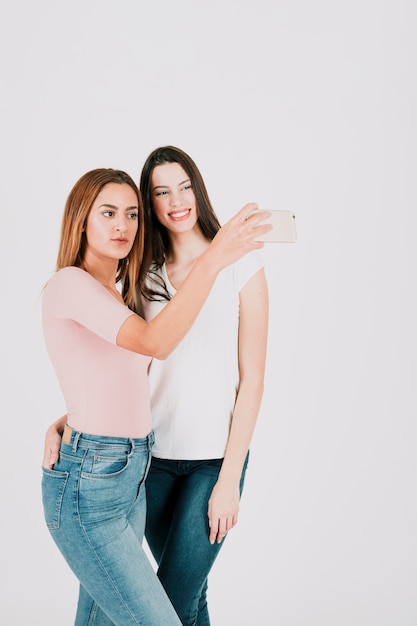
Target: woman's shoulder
[(70, 274), (69, 279), (68, 271), (248, 265)]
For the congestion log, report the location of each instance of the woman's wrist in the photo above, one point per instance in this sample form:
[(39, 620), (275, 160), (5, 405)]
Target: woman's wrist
[(209, 262), (58, 426)]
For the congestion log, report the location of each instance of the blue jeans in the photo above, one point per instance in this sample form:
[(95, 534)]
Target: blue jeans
[(95, 507), (177, 533)]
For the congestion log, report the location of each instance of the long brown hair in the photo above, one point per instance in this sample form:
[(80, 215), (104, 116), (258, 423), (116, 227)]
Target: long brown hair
[(73, 242), (157, 239)]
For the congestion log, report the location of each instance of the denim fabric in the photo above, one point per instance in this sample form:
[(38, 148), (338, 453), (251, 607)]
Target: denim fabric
[(95, 506), (177, 533)]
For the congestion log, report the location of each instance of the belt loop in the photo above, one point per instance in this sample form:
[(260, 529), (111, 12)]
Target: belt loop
[(77, 436)]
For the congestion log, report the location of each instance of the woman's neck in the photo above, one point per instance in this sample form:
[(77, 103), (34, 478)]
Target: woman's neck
[(104, 271), (185, 249)]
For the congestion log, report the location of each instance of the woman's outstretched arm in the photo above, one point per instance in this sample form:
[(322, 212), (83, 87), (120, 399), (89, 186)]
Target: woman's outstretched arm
[(163, 333)]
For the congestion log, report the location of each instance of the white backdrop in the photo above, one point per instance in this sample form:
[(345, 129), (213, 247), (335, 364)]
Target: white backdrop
[(308, 105)]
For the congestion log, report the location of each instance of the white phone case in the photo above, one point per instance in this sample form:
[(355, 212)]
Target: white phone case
[(284, 229)]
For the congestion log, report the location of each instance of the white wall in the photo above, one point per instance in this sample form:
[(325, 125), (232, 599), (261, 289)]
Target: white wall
[(294, 104)]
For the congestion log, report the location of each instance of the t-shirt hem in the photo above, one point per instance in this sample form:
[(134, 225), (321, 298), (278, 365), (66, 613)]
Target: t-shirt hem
[(202, 456)]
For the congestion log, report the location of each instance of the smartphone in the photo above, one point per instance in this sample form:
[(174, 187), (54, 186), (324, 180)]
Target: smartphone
[(283, 230)]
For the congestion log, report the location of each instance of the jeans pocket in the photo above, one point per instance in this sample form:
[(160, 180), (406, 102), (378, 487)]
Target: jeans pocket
[(53, 488), (109, 485), (101, 465)]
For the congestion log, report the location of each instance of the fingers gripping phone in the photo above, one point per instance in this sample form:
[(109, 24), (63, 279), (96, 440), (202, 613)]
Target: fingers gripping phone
[(283, 231)]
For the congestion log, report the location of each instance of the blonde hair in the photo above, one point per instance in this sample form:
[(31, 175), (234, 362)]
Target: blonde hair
[(73, 241)]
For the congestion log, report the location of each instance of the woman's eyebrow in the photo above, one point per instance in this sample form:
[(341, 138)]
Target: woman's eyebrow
[(116, 208), (107, 206), (187, 180)]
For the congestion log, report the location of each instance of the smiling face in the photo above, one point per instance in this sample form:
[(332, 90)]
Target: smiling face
[(112, 223), (173, 198)]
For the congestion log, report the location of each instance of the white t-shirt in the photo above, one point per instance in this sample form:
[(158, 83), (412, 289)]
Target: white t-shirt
[(193, 391)]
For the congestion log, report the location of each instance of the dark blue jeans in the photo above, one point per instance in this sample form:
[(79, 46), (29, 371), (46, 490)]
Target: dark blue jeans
[(177, 531)]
